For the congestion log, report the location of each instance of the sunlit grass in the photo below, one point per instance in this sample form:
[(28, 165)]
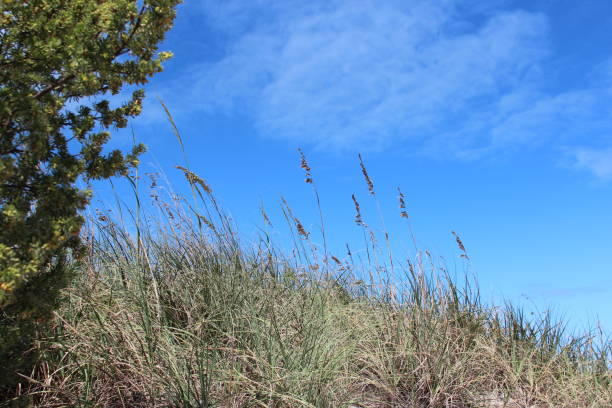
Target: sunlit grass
[(172, 310)]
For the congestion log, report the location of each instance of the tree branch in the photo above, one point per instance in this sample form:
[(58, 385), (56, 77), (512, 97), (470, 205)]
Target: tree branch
[(57, 85), (70, 77)]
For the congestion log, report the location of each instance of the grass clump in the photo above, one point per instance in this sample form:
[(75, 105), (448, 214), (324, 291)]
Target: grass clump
[(180, 313)]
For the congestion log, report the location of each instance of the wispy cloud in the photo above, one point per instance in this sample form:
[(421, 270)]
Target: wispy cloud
[(350, 74), (597, 161), (362, 74)]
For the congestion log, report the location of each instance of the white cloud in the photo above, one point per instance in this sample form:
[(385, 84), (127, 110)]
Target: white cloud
[(364, 74), (567, 116), (356, 74), (597, 161)]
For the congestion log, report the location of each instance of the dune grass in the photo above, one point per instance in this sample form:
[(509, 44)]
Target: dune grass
[(174, 311)]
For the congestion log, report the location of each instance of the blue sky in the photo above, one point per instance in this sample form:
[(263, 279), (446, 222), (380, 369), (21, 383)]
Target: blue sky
[(495, 119)]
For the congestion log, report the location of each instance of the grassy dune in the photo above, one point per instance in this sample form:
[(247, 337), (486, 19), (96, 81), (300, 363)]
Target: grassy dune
[(175, 312)]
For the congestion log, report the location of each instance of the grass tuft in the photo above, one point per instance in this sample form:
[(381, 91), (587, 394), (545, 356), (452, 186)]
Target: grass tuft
[(181, 314)]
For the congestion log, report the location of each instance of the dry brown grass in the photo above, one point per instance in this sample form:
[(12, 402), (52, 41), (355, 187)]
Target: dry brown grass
[(182, 315)]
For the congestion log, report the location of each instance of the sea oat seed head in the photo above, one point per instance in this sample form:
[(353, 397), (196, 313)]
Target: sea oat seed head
[(305, 166), (358, 219), (193, 178), (300, 228), (402, 204), (265, 216), (366, 176), (460, 245)]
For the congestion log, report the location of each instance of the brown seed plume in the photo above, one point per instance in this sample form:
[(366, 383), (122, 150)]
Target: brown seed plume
[(195, 179), (265, 216), (402, 204), (460, 245), (300, 228), (305, 166), (358, 219), (410, 266), (366, 176)]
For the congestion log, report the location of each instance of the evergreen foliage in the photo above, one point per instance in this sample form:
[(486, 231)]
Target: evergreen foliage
[(60, 60)]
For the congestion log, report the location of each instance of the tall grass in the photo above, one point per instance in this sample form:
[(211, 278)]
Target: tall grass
[(172, 310)]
